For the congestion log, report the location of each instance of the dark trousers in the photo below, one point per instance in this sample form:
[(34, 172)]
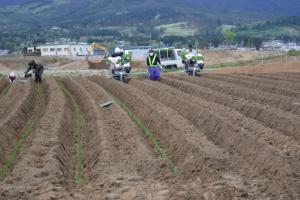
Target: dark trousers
[(38, 78)]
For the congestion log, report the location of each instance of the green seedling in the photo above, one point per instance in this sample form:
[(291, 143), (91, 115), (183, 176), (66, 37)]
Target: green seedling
[(157, 146), (78, 174), (37, 114)]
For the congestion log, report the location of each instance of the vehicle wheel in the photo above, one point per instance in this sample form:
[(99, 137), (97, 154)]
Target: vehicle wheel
[(127, 70), (125, 80), (200, 66)]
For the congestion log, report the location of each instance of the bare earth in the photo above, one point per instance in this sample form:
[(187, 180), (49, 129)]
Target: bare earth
[(19, 63), (225, 56), (232, 134), (268, 68)]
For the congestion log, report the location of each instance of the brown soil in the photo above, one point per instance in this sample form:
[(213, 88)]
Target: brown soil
[(206, 115), (267, 79), (268, 88), (98, 65), (3, 84), (118, 159), (21, 62), (223, 56), (45, 167), (268, 68), (260, 112), (292, 78), (139, 64), (3, 68), (232, 136), (169, 131), (136, 65), (73, 65), (16, 108), (261, 121)]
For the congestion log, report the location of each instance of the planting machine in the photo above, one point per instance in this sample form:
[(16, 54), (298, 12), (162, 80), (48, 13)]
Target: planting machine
[(193, 64), (120, 66)]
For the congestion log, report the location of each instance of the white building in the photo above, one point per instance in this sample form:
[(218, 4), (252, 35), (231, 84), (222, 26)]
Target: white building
[(3, 52), (277, 45), (81, 49)]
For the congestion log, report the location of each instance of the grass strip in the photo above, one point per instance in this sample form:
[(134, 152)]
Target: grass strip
[(157, 147), (294, 53), (37, 114), (78, 173), (232, 64)]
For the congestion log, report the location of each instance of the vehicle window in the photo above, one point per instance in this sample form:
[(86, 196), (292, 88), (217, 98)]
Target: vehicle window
[(166, 54)]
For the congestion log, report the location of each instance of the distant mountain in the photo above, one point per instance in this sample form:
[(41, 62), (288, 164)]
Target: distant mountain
[(28, 13), (265, 7), (17, 14), (282, 28), (21, 15), (40, 20), (269, 7)]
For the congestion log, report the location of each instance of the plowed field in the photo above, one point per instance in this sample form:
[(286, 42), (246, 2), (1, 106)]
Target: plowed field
[(213, 137)]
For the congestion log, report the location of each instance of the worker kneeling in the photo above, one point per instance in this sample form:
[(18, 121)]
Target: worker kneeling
[(153, 63)]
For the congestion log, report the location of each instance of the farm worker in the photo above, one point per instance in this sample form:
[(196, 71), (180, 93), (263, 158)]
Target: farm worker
[(192, 51), (116, 58), (188, 61), (153, 63), (117, 52), (37, 69), (12, 77)]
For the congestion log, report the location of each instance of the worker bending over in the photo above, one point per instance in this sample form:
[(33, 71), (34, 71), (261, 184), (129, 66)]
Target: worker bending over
[(37, 69), (192, 51), (153, 63)]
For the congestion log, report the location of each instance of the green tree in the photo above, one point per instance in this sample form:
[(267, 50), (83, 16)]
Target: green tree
[(229, 35)]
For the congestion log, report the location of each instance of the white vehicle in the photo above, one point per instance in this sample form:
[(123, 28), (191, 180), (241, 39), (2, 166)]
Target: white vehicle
[(170, 57)]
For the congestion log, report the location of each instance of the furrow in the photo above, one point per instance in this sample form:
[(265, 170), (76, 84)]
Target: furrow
[(212, 119), (45, 167)]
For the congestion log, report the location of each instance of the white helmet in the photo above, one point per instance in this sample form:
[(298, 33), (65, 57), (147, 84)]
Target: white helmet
[(117, 50), (12, 74)]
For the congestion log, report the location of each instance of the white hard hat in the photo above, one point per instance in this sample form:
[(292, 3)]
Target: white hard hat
[(12, 74), (117, 50)]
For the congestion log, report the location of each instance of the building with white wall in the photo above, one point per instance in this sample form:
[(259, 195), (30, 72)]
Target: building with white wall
[(72, 49)]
